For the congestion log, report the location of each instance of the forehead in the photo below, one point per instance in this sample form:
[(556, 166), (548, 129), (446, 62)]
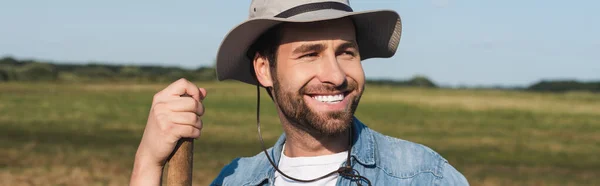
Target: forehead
[(338, 29)]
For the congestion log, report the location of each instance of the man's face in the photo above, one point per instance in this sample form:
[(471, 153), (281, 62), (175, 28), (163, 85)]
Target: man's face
[(319, 77)]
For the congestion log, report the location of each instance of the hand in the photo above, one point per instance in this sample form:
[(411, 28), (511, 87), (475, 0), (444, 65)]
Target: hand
[(171, 117)]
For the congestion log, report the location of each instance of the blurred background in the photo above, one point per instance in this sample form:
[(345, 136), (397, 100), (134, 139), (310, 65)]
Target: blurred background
[(507, 91)]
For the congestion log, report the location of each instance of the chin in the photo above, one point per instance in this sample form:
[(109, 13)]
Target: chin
[(320, 111), (331, 122)]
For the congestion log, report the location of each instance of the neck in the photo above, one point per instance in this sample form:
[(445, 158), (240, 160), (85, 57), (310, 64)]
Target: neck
[(300, 143)]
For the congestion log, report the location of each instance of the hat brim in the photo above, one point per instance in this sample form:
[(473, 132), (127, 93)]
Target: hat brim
[(377, 34)]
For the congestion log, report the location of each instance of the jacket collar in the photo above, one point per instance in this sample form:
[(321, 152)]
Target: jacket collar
[(363, 151)]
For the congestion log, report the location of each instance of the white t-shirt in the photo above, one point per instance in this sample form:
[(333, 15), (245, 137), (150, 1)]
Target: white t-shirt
[(307, 168)]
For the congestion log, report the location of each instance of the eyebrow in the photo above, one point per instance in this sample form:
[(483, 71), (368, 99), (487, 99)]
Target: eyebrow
[(318, 47), (304, 48), (346, 45)]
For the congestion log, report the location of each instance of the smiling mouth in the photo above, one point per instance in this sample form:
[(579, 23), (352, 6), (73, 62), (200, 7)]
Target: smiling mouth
[(330, 98)]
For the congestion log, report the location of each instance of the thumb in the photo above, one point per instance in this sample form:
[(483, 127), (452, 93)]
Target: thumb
[(203, 93)]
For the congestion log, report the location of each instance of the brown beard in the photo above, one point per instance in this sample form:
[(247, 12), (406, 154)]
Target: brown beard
[(329, 124)]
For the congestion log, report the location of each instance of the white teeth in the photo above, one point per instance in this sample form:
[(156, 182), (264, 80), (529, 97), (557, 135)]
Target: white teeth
[(330, 98)]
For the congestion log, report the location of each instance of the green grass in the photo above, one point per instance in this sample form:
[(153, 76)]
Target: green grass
[(76, 134)]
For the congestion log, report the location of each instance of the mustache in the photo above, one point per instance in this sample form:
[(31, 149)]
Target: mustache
[(327, 87)]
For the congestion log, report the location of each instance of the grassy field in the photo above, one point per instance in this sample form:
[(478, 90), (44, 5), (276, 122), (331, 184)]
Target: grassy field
[(75, 134)]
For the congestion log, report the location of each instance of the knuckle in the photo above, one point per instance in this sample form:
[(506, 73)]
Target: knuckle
[(170, 128), (199, 109), (196, 133), (187, 131), (178, 83), (199, 124), (156, 96), (195, 103), (192, 130), (159, 107), (193, 118), (165, 126), (162, 118), (159, 104), (182, 81)]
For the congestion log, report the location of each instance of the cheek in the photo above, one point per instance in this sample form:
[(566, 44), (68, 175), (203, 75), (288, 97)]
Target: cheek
[(355, 71), (293, 79)]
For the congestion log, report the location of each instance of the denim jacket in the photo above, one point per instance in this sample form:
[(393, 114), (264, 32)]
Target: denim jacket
[(382, 159)]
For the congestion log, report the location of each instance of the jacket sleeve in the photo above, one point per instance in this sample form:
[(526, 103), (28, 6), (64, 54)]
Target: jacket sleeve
[(226, 171), (451, 176)]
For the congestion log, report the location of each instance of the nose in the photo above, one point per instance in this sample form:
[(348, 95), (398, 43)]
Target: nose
[(331, 72)]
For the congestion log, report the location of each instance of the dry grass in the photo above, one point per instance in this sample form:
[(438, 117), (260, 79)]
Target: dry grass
[(75, 134), (489, 100)]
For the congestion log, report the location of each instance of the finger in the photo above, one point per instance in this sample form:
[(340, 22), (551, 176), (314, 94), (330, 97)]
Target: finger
[(184, 118), (185, 104), (182, 87), (185, 131), (199, 124), (182, 104), (203, 93)]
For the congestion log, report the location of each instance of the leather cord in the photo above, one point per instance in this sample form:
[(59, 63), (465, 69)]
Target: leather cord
[(345, 171)]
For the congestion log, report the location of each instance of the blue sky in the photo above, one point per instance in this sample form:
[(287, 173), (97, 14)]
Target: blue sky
[(476, 42)]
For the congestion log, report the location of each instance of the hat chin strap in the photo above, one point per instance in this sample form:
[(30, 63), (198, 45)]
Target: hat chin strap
[(346, 171)]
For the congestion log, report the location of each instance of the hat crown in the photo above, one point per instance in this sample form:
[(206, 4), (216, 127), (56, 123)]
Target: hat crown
[(271, 8)]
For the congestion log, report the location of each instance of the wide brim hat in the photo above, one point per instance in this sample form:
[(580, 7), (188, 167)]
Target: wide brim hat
[(377, 31)]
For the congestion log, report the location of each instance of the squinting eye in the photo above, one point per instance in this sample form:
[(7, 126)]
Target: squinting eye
[(314, 54), (348, 53)]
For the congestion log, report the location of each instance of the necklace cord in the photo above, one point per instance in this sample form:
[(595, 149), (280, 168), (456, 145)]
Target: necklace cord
[(345, 171)]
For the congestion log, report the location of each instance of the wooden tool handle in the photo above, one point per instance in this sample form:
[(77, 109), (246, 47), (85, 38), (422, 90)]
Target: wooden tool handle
[(179, 172)]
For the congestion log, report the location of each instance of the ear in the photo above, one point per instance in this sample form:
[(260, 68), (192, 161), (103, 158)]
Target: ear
[(262, 70)]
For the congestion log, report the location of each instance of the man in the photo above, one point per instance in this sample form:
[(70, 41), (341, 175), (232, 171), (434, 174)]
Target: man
[(307, 54)]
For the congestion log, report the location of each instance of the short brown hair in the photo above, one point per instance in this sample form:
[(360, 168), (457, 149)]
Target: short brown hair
[(266, 46)]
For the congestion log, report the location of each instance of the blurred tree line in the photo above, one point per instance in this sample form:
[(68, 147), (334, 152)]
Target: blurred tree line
[(35, 71), (564, 86), (417, 81), (29, 70)]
